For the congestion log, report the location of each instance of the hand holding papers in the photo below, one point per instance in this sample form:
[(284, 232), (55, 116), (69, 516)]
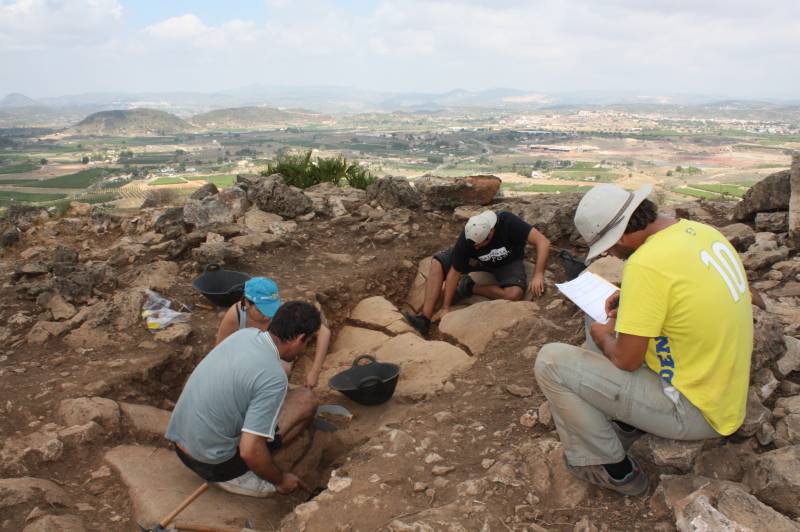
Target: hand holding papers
[(589, 292)]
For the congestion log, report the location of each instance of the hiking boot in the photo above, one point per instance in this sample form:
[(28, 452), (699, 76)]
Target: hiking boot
[(634, 483), (464, 288), (250, 485), (627, 437), (419, 322)]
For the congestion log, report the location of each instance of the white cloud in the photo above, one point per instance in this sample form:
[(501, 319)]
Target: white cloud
[(26, 24), (716, 46)]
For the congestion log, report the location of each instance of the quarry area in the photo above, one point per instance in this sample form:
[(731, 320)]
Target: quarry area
[(466, 443)]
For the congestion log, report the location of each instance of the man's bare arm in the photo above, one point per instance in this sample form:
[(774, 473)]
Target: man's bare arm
[(450, 285), (536, 238), (625, 351), (254, 452)]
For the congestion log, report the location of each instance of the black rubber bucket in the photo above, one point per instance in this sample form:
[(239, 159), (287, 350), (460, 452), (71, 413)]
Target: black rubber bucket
[(221, 287), (372, 383), (572, 265)]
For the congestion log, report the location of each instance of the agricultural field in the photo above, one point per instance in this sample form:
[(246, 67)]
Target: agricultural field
[(533, 153)]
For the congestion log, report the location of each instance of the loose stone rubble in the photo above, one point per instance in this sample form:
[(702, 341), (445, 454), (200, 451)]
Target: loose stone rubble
[(467, 441)]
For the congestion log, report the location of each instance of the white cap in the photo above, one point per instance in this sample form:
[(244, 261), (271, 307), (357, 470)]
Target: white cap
[(603, 215), (479, 226)]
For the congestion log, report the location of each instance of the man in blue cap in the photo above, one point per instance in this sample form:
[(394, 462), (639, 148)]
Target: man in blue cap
[(258, 305)]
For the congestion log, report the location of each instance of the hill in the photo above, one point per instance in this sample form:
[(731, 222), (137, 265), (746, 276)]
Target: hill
[(16, 99), (133, 122), (253, 117)]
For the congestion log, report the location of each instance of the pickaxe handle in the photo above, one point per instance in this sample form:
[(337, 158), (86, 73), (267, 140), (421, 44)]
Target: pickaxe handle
[(182, 506), (194, 527)]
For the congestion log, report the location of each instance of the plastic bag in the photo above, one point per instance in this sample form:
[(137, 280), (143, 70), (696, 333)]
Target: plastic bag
[(157, 313)]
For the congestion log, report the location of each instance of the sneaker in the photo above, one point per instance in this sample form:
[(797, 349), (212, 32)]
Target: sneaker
[(250, 485), (634, 483), (419, 322), (464, 288), (627, 437)]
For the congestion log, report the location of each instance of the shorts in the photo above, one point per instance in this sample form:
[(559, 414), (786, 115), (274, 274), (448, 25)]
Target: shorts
[(511, 273), (230, 469)]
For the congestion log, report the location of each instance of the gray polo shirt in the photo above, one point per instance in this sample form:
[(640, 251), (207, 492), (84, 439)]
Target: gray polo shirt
[(239, 386)]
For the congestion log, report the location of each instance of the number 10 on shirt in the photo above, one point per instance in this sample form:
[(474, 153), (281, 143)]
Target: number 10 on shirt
[(727, 266)]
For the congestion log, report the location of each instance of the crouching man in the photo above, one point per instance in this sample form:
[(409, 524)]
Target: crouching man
[(236, 409), (673, 361)]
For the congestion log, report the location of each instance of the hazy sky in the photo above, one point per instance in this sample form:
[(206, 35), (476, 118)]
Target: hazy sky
[(736, 48)]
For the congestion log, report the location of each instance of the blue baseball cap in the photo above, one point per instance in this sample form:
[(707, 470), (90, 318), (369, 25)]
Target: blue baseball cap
[(264, 294)]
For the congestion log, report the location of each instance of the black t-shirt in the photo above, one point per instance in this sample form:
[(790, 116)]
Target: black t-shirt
[(507, 245)]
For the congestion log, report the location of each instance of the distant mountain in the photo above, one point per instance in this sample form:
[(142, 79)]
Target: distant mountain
[(254, 118), (132, 122), (16, 99)]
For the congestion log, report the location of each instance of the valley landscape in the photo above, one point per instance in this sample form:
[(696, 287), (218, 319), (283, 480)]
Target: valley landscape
[(715, 150)]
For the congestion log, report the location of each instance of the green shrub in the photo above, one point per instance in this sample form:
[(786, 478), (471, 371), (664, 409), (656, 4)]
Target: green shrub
[(298, 170)]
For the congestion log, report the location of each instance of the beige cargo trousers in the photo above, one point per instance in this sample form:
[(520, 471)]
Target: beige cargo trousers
[(586, 391)]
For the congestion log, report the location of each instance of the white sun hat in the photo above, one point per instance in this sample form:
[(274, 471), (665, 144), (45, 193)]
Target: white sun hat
[(479, 226), (603, 214)]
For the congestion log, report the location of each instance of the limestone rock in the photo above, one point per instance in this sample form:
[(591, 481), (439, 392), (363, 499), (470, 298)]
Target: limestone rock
[(764, 383), (774, 222), (59, 308), (272, 194), (790, 361), (9, 237), (85, 409), (775, 479), (44, 330), (756, 415), (476, 325), (217, 253), (727, 462), (159, 275), (770, 194), (670, 453), (358, 340), (448, 193), (33, 449), (29, 490), (224, 207), (787, 429), (768, 344), (755, 259), (547, 474), (177, 333), (794, 203), (416, 293), (146, 420), (209, 189), (377, 311), (552, 215), (727, 506), (146, 471), (56, 523), (258, 221), (392, 192), (170, 222), (77, 435), (332, 201), (740, 236)]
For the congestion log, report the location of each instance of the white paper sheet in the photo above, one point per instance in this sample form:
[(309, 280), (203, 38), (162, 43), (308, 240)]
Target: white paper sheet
[(589, 292)]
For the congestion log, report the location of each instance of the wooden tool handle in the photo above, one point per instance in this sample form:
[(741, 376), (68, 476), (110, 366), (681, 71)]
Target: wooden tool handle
[(189, 500), (194, 527)]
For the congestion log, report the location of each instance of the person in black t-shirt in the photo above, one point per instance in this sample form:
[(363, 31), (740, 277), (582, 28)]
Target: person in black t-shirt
[(493, 242)]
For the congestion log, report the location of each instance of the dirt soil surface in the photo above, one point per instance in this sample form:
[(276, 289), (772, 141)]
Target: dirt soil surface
[(327, 264)]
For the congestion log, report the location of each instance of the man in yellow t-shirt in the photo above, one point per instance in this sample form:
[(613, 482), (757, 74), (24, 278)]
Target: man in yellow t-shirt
[(673, 360)]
